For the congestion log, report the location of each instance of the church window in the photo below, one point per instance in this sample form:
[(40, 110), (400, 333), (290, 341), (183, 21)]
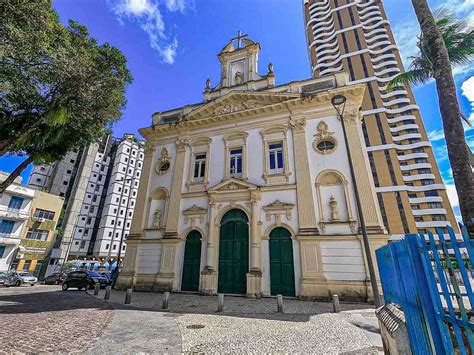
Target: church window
[(276, 157), (199, 167), (236, 162), (325, 146)]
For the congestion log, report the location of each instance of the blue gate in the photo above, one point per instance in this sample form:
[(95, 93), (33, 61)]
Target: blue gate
[(431, 280)]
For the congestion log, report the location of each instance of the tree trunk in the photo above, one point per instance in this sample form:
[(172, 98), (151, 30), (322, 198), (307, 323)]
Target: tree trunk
[(458, 152), (14, 174), (4, 146)]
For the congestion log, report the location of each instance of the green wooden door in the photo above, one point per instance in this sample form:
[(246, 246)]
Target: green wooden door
[(192, 262), (233, 253), (282, 275)]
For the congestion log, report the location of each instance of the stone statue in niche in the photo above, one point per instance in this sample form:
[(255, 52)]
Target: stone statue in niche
[(334, 210), (157, 219), (239, 78)]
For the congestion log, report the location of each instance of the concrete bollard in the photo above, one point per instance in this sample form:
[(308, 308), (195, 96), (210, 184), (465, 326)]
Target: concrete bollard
[(220, 302), (107, 292), (128, 296), (166, 300), (96, 289), (280, 304), (336, 305)]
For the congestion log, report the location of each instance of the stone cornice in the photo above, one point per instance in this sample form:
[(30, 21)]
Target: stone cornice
[(293, 103)]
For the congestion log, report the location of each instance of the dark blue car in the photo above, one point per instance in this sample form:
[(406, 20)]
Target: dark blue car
[(84, 279)]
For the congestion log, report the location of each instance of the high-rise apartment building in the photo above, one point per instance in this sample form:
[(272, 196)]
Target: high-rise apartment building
[(99, 184), (355, 37)]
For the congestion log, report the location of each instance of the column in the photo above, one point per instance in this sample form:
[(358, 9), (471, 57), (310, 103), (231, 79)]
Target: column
[(254, 276), (172, 220), (208, 282), (304, 191), (140, 214), (211, 238), (362, 170), (255, 235)]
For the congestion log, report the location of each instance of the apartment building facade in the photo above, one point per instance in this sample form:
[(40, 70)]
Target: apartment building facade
[(355, 37), (90, 180), (39, 235), (15, 207)]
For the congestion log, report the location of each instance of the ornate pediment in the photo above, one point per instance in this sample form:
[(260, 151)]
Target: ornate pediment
[(278, 208), (239, 102), (194, 214), (231, 185)]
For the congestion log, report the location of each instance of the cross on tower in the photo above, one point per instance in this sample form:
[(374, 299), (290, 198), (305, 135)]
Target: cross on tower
[(239, 38)]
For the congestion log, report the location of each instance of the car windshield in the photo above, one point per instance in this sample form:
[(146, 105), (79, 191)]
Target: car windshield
[(24, 274), (94, 274)]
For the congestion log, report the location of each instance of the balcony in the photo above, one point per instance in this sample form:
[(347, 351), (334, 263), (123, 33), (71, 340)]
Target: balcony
[(9, 238), (13, 213)]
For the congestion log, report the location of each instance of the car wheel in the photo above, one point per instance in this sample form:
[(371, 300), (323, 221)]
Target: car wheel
[(65, 286), (18, 283), (32, 284), (79, 288)]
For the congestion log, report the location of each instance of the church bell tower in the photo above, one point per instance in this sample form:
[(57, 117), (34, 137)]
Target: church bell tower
[(239, 68)]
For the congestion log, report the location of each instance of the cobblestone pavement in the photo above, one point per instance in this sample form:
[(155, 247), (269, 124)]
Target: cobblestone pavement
[(253, 326), (45, 319)]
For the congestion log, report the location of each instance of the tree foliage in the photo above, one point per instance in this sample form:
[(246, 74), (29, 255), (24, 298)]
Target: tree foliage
[(458, 38), (59, 88)]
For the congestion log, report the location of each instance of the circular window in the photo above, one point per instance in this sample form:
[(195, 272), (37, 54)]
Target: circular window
[(163, 167), (325, 146)]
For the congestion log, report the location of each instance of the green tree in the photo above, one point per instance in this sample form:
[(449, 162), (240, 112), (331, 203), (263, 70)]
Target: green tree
[(442, 44), (59, 89)]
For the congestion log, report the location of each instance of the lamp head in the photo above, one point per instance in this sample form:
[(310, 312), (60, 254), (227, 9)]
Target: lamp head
[(339, 103)]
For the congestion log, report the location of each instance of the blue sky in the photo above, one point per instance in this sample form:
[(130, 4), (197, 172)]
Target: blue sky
[(171, 46)]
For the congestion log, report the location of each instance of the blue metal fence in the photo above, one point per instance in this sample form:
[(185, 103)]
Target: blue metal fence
[(431, 279)]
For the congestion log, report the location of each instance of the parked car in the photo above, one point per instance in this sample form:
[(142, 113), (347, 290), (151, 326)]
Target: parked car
[(56, 278), (107, 275), (18, 278), (84, 279), (3, 276)]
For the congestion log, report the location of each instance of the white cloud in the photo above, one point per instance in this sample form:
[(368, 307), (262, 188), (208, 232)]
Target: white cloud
[(436, 135), (147, 14), (406, 33), (453, 198), (176, 5), (467, 89)]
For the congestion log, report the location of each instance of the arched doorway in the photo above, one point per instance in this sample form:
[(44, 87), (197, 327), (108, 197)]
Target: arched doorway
[(192, 262), (233, 253), (282, 274)]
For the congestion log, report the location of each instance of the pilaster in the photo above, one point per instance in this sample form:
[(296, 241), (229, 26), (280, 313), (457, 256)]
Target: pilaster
[(139, 215), (362, 170), (306, 210), (254, 276), (171, 230), (208, 282)]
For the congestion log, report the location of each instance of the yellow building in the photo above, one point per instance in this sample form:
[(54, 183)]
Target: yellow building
[(39, 233)]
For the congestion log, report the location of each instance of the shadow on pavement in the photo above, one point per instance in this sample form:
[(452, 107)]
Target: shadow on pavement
[(35, 301)]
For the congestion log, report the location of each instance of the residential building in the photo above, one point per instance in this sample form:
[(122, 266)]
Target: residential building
[(250, 191), (39, 235), (15, 207), (356, 37), (88, 179)]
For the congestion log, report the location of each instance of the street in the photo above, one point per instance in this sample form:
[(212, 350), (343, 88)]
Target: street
[(46, 319)]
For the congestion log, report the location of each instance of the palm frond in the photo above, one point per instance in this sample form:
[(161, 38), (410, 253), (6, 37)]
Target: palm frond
[(416, 76)]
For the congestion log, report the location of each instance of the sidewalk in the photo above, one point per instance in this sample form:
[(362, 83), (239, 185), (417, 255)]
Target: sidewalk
[(246, 326)]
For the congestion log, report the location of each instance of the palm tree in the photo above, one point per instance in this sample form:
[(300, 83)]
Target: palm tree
[(443, 43)]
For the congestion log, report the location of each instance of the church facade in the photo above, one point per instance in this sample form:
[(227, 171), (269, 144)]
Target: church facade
[(250, 191)]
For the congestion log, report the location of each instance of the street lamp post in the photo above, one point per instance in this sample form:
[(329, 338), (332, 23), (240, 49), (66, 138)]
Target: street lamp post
[(339, 104)]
